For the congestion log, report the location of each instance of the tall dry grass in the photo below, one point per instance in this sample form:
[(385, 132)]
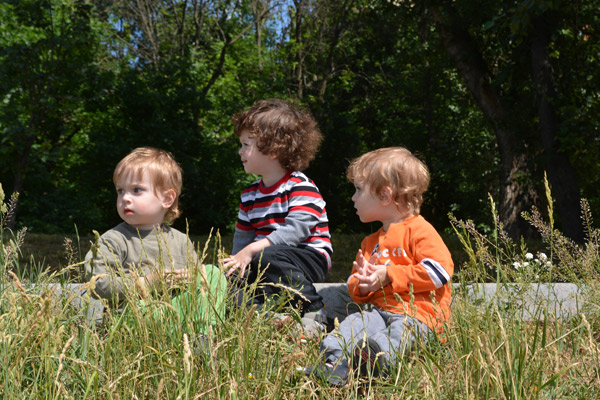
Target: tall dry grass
[(49, 350)]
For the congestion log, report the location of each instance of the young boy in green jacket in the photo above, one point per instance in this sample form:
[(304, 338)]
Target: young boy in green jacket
[(144, 254)]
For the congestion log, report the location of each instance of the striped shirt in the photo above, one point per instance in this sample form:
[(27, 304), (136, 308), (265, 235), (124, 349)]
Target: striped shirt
[(291, 212)]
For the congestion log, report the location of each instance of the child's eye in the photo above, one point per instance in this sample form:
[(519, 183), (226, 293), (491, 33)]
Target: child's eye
[(120, 191), (138, 190)]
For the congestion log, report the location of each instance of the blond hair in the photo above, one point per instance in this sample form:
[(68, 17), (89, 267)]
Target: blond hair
[(162, 168), (396, 168), (282, 129)]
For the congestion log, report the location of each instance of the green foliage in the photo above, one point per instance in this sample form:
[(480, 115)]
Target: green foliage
[(85, 82), (51, 63)]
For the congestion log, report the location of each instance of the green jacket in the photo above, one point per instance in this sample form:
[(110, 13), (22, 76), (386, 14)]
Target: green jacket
[(125, 250)]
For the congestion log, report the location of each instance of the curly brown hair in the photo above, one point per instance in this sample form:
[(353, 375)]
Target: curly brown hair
[(282, 129)]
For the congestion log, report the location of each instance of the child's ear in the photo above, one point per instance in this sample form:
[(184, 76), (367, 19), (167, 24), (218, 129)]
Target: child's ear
[(387, 196), (169, 197)]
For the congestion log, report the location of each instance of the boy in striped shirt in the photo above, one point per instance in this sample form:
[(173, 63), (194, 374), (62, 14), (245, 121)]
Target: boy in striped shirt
[(282, 233)]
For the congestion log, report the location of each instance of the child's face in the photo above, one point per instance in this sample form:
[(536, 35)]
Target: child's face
[(368, 206), (253, 160), (139, 205)]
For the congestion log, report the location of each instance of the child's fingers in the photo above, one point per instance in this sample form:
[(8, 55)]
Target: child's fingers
[(236, 266), (370, 280), (359, 268), (238, 270), (363, 274), (178, 276), (232, 264), (361, 259), (359, 276), (373, 258), (365, 287), (231, 270)]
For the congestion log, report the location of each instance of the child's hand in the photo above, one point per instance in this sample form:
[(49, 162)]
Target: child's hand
[(177, 276), (244, 257), (236, 262), (171, 278), (371, 277), (360, 266)]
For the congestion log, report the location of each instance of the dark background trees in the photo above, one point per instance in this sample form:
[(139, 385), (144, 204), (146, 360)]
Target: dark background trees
[(492, 95)]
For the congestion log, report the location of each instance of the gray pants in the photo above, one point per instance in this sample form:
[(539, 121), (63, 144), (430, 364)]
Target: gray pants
[(394, 333)]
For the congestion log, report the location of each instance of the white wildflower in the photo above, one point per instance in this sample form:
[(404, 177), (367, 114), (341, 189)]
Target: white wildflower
[(526, 264), (543, 257), (516, 265), (529, 256)]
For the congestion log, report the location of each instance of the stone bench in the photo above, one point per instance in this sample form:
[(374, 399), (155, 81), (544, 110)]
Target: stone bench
[(561, 300), (72, 294)]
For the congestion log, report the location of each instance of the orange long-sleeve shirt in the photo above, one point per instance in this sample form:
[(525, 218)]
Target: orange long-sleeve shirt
[(416, 257)]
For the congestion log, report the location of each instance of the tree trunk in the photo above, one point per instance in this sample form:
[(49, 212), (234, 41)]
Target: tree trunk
[(260, 12), (560, 172), (515, 196)]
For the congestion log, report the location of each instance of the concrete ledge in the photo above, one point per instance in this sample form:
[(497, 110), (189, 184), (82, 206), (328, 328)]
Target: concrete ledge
[(72, 295), (561, 300), (91, 309)]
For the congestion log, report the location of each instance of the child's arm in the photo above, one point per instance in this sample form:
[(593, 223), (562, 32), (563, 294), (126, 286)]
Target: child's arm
[(106, 263), (183, 259), (294, 229), (291, 232), (241, 239), (305, 211), (244, 247)]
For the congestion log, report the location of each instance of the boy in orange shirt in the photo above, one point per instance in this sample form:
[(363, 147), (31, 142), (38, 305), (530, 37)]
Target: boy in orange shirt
[(403, 270)]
